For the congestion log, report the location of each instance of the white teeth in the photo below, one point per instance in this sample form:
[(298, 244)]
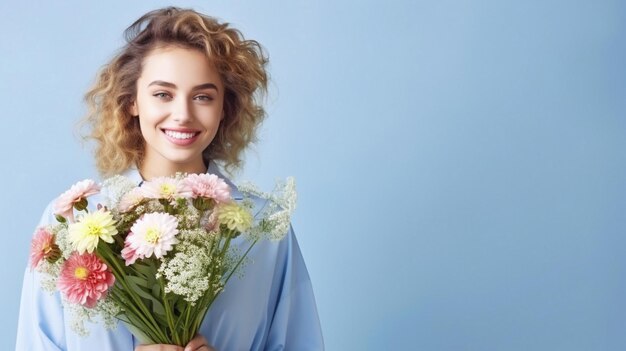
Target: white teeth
[(179, 135)]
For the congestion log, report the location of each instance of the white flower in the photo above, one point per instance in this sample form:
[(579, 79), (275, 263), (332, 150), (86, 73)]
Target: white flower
[(92, 227), (289, 198), (234, 217), (280, 224), (188, 272), (274, 217), (154, 233), (115, 188)]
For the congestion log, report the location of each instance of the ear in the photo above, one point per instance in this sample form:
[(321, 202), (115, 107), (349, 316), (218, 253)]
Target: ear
[(134, 111)]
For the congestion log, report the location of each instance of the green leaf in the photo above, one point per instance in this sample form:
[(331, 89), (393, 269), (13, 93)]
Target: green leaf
[(139, 281), (140, 287), (156, 291), (179, 304), (144, 269), (140, 330)]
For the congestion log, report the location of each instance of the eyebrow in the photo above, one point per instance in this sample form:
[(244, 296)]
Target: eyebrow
[(173, 86)]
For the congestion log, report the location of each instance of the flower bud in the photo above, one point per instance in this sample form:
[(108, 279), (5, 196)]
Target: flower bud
[(60, 218), (53, 254), (81, 205)]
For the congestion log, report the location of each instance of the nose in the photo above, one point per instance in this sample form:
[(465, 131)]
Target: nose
[(182, 112)]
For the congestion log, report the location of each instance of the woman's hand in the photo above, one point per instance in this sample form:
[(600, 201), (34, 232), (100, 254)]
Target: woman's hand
[(198, 343), (158, 347)]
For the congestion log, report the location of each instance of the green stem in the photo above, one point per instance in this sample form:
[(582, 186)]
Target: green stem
[(202, 314), (188, 310), (110, 257), (129, 307), (168, 314)]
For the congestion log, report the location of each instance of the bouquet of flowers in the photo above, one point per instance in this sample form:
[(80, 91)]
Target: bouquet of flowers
[(154, 256)]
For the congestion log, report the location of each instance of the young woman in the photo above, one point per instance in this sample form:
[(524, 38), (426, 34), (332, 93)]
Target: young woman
[(182, 95)]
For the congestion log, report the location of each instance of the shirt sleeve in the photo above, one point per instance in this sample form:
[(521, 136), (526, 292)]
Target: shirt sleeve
[(41, 325), (295, 324)]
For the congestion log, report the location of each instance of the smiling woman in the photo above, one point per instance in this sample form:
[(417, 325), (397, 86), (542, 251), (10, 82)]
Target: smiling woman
[(180, 98), (178, 56), (183, 96)]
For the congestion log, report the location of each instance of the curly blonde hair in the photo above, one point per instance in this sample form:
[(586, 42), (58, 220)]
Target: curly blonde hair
[(240, 63)]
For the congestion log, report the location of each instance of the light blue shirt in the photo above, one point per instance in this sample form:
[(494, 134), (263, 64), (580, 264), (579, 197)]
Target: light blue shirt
[(271, 307)]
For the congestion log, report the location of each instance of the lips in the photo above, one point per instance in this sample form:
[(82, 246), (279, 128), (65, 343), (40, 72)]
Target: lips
[(181, 137)]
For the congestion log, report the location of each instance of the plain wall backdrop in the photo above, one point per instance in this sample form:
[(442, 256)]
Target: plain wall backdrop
[(461, 165)]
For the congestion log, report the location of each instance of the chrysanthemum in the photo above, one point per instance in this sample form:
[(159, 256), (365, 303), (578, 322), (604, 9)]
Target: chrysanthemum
[(64, 205), (234, 217), (165, 188), (84, 279), (130, 200), (90, 228), (42, 247), (208, 186), (154, 233)]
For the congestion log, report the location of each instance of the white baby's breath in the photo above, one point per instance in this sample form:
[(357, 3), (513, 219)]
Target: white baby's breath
[(188, 218), (279, 224), (284, 194), (188, 273), (61, 237), (115, 188), (49, 273), (105, 311), (273, 220)]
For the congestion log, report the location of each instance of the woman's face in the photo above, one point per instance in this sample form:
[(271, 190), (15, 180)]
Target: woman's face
[(179, 104)]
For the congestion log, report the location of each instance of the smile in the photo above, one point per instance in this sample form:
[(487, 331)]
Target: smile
[(179, 135), (181, 138)]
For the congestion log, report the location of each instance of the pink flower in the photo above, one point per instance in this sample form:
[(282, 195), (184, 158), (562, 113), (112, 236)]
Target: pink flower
[(64, 205), (43, 247), (130, 200), (84, 279), (164, 188), (154, 233), (208, 186), (128, 253)]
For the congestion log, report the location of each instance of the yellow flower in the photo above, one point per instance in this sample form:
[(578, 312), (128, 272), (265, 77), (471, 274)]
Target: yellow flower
[(90, 228), (234, 217)]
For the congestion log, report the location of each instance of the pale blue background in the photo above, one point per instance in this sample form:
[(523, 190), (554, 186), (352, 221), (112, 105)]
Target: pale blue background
[(461, 165)]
